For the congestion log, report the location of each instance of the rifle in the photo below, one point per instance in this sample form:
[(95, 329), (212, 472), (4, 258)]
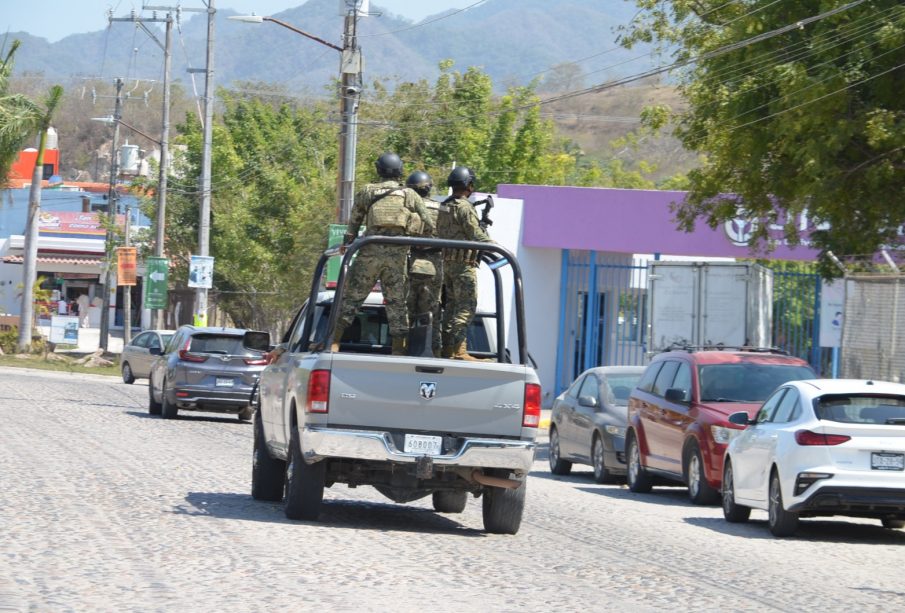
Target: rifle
[(485, 220)]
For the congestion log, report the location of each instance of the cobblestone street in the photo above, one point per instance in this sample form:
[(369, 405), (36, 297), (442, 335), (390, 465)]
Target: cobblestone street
[(103, 507)]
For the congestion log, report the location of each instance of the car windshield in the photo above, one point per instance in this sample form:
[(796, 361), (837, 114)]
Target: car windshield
[(219, 343), (861, 409), (165, 338), (746, 381), (621, 386)]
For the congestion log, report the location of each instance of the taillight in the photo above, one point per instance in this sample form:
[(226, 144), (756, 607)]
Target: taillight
[(531, 412), (262, 361), (806, 437), (190, 357), (318, 392)]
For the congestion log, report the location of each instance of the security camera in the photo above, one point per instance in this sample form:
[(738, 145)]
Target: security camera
[(352, 90)]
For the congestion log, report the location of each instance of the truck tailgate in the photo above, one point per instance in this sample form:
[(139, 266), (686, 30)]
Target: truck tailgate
[(414, 394)]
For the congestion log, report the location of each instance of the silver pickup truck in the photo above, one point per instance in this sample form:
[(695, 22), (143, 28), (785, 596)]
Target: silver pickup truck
[(410, 426)]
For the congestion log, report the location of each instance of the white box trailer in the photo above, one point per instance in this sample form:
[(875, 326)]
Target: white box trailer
[(709, 304)]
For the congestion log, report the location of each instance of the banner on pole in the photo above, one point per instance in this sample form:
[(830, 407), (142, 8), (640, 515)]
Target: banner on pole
[(201, 271), (126, 267), (156, 286)]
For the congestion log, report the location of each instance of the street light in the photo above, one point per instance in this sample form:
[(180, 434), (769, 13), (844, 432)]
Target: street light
[(349, 91)]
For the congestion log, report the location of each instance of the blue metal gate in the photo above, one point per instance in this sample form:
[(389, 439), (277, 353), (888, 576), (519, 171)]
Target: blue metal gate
[(604, 313)]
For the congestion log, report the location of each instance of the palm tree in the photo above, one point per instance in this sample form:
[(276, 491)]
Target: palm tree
[(17, 117), (29, 268)]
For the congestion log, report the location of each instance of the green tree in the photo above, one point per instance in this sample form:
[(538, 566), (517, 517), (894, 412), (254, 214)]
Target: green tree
[(17, 116), (811, 119)]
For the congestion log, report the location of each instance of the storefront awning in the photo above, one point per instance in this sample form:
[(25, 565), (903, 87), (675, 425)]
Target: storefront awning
[(46, 259)]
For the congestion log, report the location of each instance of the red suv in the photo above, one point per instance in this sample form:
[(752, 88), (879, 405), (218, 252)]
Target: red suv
[(678, 426)]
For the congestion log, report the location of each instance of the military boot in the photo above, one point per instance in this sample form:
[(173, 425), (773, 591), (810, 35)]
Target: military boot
[(461, 353), (447, 351), (399, 345)]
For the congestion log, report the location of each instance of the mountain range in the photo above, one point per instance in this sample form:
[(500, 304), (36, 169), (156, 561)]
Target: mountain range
[(514, 41)]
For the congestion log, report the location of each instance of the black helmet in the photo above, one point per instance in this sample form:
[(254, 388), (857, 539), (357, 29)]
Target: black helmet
[(389, 166), (421, 182), (460, 176)]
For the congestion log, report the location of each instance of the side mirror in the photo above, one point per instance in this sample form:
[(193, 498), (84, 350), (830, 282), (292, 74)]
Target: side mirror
[(740, 419), (588, 401), (155, 351), (258, 341), (678, 395)]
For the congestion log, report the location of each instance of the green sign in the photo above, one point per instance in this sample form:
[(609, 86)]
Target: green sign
[(334, 238), (156, 292)]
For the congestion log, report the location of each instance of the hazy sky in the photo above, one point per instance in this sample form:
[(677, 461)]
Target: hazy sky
[(55, 19)]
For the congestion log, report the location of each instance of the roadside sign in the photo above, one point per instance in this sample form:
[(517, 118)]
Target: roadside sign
[(126, 258), (832, 309), (64, 329), (201, 271), (156, 293), (334, 238)]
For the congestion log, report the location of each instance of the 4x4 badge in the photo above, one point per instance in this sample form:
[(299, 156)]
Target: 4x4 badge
[(428, 389)]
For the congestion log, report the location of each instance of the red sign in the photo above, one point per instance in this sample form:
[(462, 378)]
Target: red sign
[(68, 224), (126, 265)]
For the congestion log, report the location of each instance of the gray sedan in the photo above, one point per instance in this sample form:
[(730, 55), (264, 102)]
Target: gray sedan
[(137, 356), (587, 425)]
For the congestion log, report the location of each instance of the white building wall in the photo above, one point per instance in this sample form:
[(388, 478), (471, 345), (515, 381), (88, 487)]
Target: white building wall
[(541, 272)]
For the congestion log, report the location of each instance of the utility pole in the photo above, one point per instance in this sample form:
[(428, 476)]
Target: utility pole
[(350, 90), (204, 230), (112, 209), (157, 317)]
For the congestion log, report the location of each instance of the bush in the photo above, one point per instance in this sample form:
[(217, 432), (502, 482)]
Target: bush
[(9, 342)]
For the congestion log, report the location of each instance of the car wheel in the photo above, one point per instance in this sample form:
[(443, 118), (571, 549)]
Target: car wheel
[(558, 466), (781, 522), (268, 475), (304, 483), (450, 502), (128, 377), (637, 477), (503, 508), (153, 406), (168, 410), (893, 524), (601, 473), (734, 513), (699, 491), (247, 413)]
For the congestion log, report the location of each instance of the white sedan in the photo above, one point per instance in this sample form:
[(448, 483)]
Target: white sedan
[(819, 448)]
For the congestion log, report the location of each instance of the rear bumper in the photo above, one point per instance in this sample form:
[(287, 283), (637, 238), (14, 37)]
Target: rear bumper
[(318, 443), (858, 500), (233, 399)]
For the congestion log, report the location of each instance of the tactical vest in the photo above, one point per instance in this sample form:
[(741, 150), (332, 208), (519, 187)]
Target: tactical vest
[(447, 224), (388, 210), (416, 226)]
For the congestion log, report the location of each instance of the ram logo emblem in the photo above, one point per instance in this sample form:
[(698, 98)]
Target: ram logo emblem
[(428, 390)]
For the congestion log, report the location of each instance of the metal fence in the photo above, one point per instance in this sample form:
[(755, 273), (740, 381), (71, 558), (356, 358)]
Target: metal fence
[(873, 331), (604, 314)]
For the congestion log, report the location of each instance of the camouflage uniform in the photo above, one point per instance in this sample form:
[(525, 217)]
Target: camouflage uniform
[(389, 215), (458, 220), (424, 292)]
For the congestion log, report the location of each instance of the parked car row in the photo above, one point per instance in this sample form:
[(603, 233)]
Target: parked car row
[(195, 369), (753, 429)]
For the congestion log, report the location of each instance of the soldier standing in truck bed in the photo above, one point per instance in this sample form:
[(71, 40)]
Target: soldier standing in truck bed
[(458, 220), (388, 208), (426, 272)]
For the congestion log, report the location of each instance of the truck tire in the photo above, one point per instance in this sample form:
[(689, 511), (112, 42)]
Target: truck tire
[(450, 502), (168, 410), (503, 509), (153, 406), (304, 483), (268, 476)]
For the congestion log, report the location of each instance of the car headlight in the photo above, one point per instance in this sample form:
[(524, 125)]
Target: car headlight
[(723, 435), (615, 430)]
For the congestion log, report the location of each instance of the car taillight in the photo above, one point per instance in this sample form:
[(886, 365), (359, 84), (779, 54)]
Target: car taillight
[(806, 437), (262, 361), (531, 412), (190, 357), (318, 392)]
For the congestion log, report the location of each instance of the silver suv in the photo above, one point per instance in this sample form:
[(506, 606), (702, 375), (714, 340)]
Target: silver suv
[(204, 369)]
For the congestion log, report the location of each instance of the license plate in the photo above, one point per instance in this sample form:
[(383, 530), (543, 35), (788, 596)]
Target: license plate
[(427, 445), (224, 382), (887, 461)]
